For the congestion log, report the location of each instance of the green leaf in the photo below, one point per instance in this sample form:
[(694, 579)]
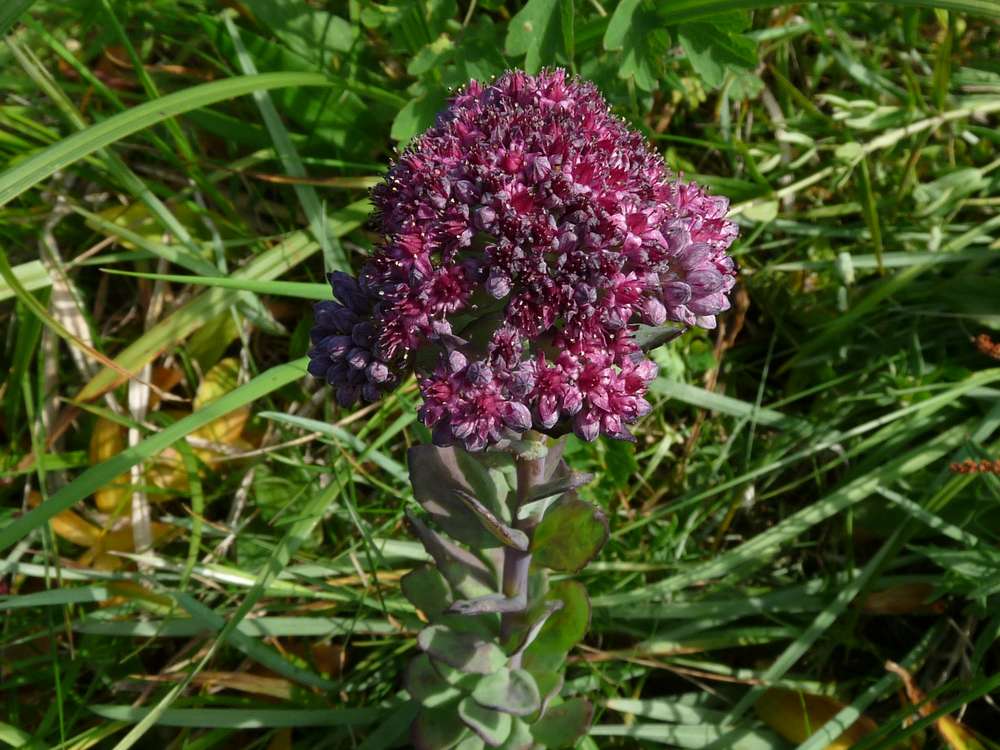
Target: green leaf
[(512, 691), (29, 172), (437, 728), (538, 33), (427, 590), (570, 535), (493, 727), (563, 725), (713, 51), (426, 685), (562, 630), (418, 114), (637, 31), (307, 31), (461, 650)]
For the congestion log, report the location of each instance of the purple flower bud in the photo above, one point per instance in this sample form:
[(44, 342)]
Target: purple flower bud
[(585, 294), (378, 372), (347, 395), (586, 426), (516, 416), (465, 191), (363, 334), (653, 312), (478, 373), (346, 289), (457, 361), (358, 358), (484, 217), (498, 286)]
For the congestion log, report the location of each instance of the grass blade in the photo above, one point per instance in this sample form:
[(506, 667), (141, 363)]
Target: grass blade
[(33, 170)]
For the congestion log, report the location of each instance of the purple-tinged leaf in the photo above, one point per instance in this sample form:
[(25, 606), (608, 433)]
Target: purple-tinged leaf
[(491, 603), (562, 630), (512, 691), (564, 483), (462, 651), (427, 590), (438, 475), (570, 535), (493, 727), (426, 685), (507, 536), (468, 575), (563, 725), (437, 728)]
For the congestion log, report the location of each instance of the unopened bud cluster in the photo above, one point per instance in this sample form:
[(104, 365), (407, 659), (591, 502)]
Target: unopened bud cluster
[(525, 236)]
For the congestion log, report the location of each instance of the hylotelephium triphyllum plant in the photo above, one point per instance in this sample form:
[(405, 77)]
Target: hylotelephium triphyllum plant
[(533, 249)]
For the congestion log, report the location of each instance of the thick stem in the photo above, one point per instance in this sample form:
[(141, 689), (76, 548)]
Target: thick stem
[(516, 564)]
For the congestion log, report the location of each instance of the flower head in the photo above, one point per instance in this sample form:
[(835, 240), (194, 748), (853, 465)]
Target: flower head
[(525, 236)]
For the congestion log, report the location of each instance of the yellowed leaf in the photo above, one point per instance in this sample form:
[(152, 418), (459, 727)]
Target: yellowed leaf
[(904, 599), (106, 441), (796, 716), (220, 380), (282, 740), (953, 732)]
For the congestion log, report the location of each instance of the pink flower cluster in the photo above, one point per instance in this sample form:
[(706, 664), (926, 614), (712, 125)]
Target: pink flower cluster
[(526, 235)]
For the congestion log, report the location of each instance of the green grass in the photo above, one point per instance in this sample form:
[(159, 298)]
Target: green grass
[(155, 221)]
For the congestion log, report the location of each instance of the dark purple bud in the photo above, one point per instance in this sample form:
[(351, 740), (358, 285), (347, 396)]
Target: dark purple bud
[(676, 293), (479, 373), (572, 401), (540, 168), (465, 191), (358, 358), (547, 413), (584, 294), (370, 393), (336, 346), (363, 333), (346, 289), (318, 363), (347, 395)]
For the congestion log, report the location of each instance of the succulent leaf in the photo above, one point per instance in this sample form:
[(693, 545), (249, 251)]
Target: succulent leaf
[(438, 475), (563, 629), (511, 691), (520, 737), (426, 685), (563, 725), (463, 651), (564, 482), (437, 728), (493, 727), (468, 575), (570, 535), (427, 590)]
